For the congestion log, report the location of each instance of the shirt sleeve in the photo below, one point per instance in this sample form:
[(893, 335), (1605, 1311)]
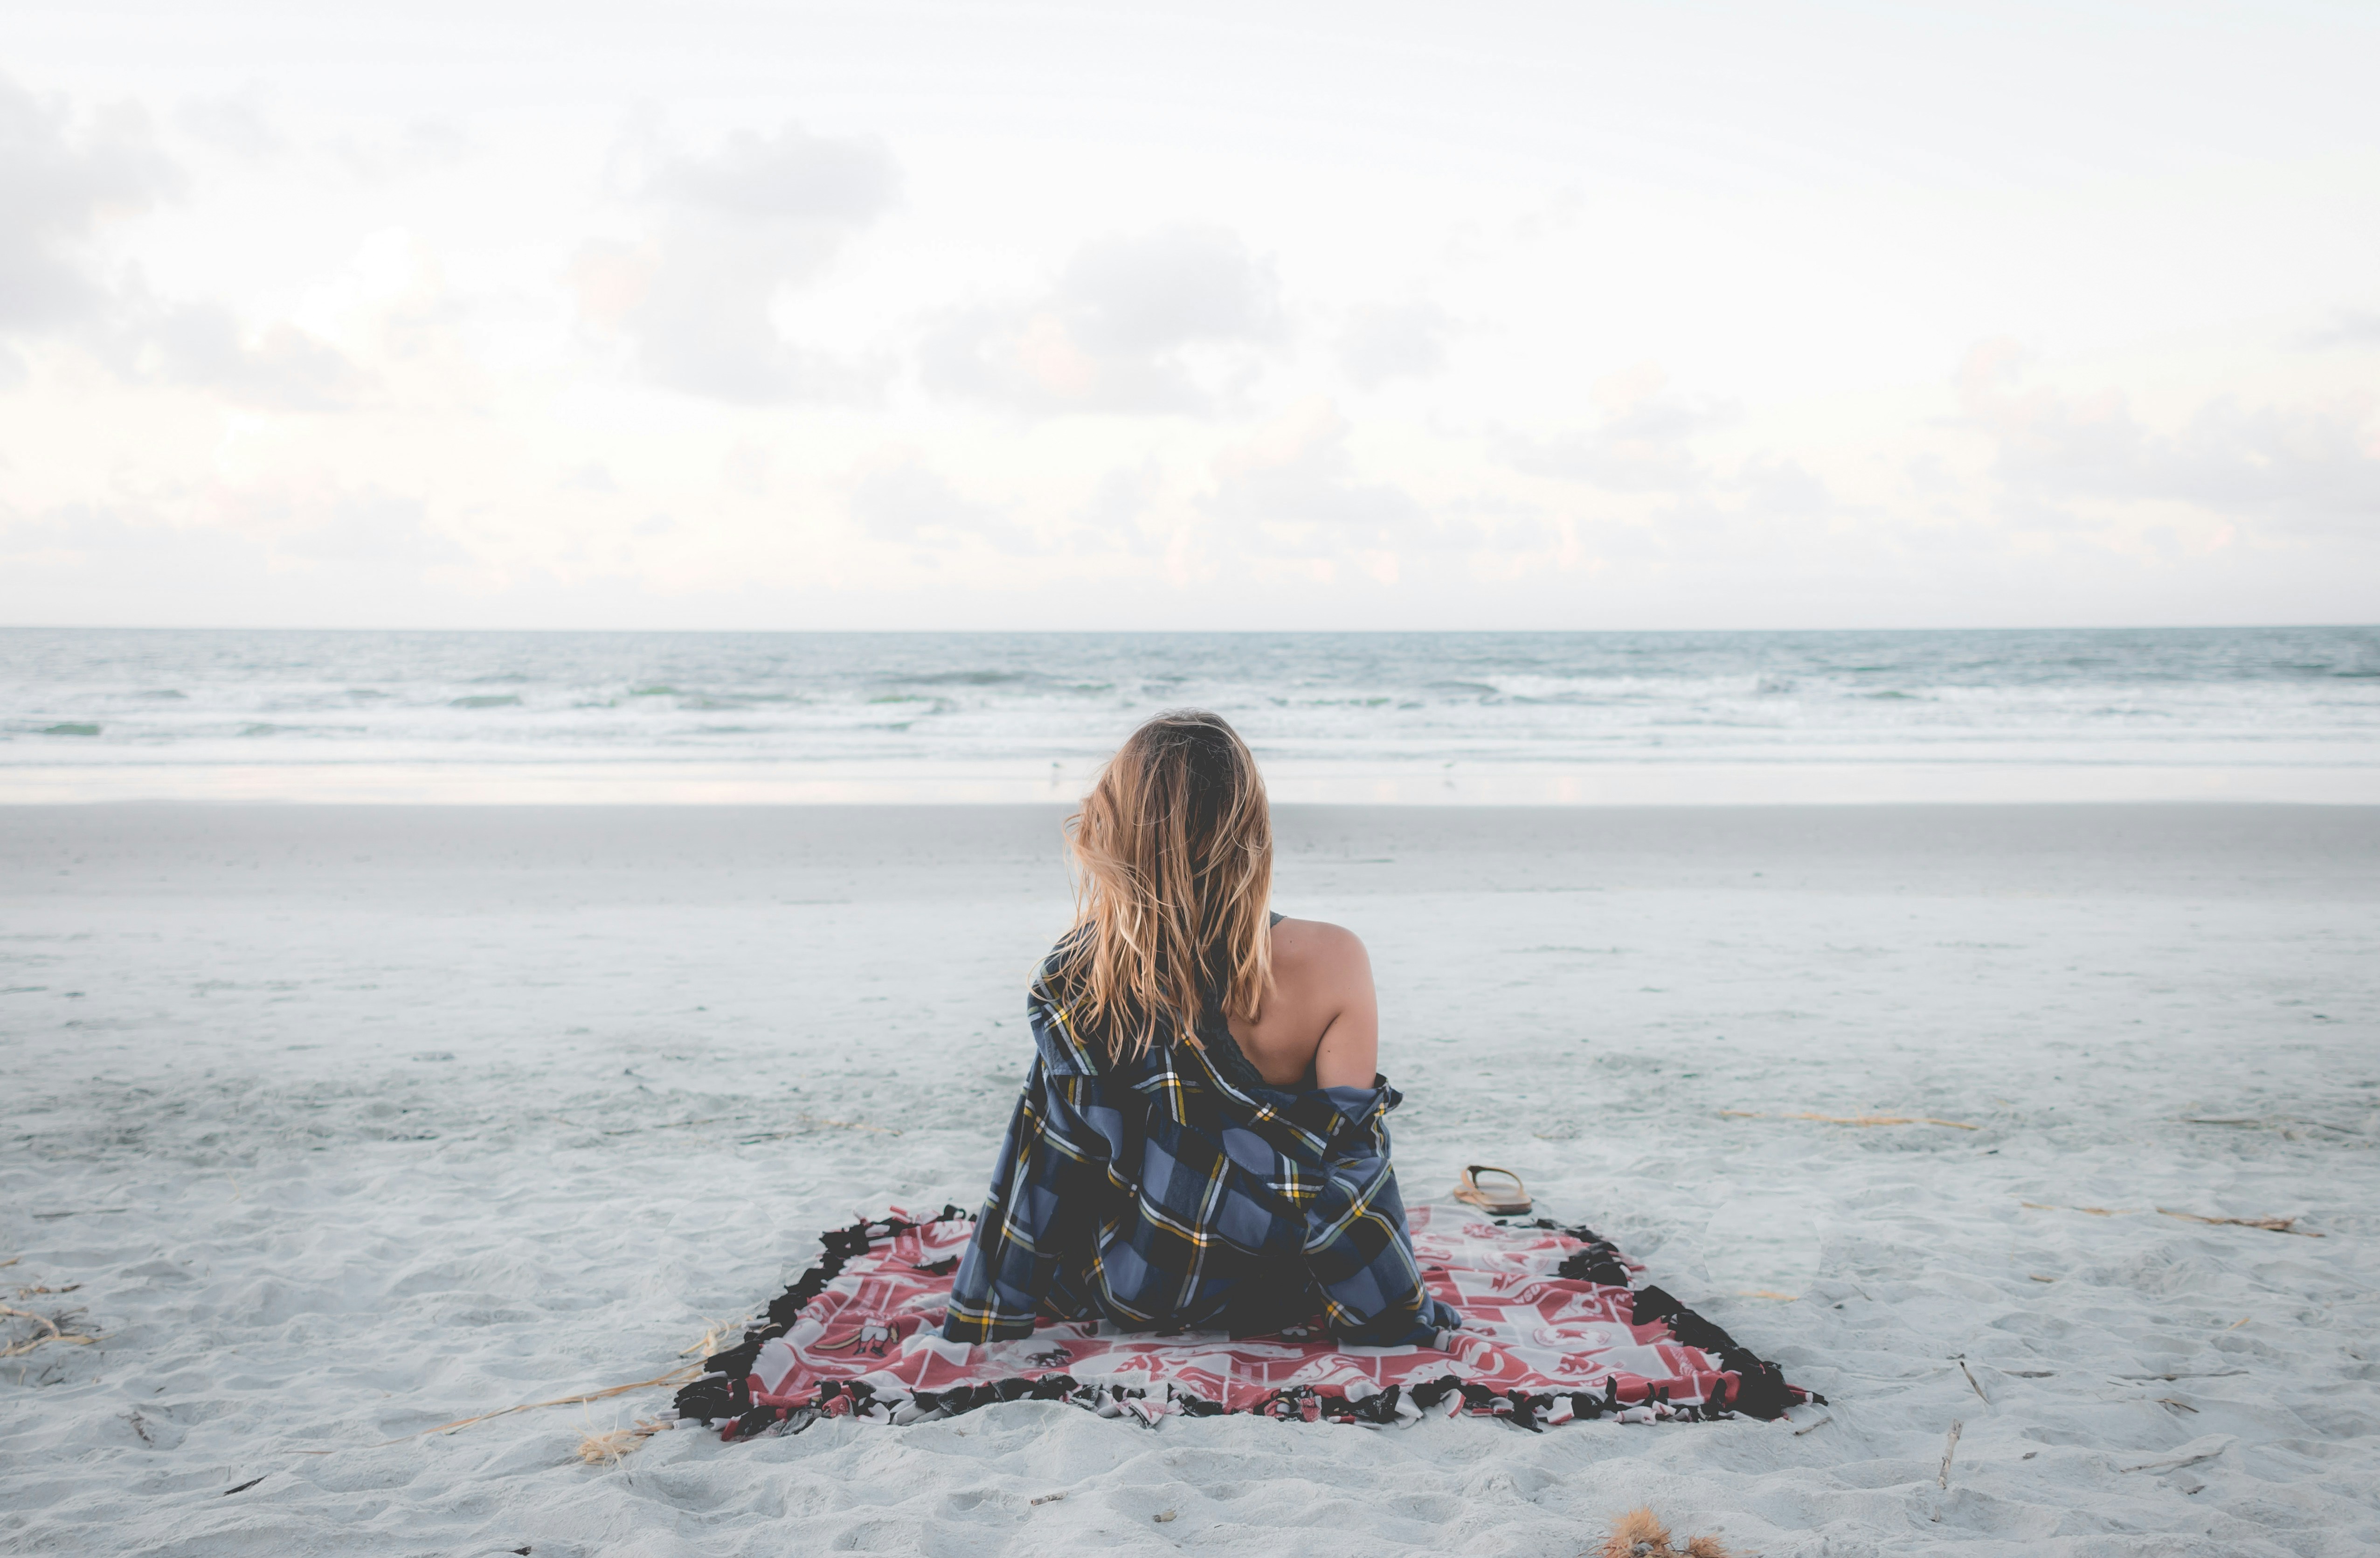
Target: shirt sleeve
[(1357, 1250), (1041, 1194)]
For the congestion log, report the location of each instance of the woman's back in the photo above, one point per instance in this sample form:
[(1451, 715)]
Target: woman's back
[(1320, 1027)]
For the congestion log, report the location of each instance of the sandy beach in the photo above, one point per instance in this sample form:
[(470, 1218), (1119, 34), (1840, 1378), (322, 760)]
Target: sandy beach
[(336, 1124)]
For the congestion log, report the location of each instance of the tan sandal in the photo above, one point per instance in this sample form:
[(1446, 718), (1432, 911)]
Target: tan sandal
[(1494, 1204)]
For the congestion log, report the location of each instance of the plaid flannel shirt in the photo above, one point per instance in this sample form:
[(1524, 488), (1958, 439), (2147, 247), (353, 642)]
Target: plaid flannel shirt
[(1180, 1191)]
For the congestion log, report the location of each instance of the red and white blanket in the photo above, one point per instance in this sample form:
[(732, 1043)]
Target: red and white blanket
[(1552, 1331)]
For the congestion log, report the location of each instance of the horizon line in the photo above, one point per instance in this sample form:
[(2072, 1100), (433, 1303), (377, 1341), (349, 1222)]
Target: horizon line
[(1198, 632)]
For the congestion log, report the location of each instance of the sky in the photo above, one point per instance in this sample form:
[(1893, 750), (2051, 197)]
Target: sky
[(1567, 315)]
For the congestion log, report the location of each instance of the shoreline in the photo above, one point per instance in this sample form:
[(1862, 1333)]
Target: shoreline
[(1813, 782)]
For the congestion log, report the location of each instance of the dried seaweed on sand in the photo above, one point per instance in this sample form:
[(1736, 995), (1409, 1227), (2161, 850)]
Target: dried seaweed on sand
[(1851, 1119), (56, 1333), (2269, 1224), (610, 1446), (1640, 1533)]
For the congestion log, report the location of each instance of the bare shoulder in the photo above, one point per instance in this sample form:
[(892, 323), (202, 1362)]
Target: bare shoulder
[(1314, 951)]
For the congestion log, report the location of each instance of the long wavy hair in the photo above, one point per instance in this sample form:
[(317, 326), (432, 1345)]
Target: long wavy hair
[(1172, 857)]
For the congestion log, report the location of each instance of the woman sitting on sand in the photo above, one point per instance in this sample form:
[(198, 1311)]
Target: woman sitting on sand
[(1201, 1141)]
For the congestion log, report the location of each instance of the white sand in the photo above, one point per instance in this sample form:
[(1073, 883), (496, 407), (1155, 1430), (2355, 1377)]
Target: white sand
[(351, 1122)]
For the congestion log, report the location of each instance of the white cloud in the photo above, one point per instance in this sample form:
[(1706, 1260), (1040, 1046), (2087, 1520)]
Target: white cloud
[(907, 502), (2348, 327), (419, 146), (1173, 321), (1294, 491), (2298, 468), (58, 182), (793, 175), (1121, 503), (1641, 442), (1388, 341), (368, 527), (236, 124), (281, 368), (1780, 487), (733, 231), (277, 525)]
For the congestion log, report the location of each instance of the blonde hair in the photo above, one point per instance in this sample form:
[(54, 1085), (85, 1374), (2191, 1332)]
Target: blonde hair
[(1172, 856)]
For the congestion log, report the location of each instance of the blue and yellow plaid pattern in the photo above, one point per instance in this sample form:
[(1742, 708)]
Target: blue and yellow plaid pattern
[(1180, 1191)]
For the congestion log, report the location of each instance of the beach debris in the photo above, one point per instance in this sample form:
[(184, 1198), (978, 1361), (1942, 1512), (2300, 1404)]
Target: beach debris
[(715, 1332), (1640, 1533), (1942, 1478), (1851, 1119), (610, 1446), (1809, 1428), (56, 1333), (2291, 1129), (809, 1122), (2197, 1449), (1048, 1498), (1971, 1380), (2179, 1406), (674, 1377), (1164, 1516), (243, 1487), (2270, 1225)]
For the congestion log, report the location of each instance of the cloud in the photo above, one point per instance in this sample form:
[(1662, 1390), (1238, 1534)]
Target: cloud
[(1294, 491), (908, 502), (744, 468), (732, 231), (2301, 467), (2348, 327), (236, 125), (307, 524), (422, 146), (58, 183), (1780, 488), (281, 369), (1170, 320), (1639, 443), (370, 527), (1125, 496), (791, 176), (1765, 508), (1393, 341)]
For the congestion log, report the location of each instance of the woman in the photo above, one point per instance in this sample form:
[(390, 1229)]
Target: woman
[(1201, 1141)]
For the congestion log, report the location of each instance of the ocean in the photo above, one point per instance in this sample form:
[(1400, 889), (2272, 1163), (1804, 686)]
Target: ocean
[(2134, 715)]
